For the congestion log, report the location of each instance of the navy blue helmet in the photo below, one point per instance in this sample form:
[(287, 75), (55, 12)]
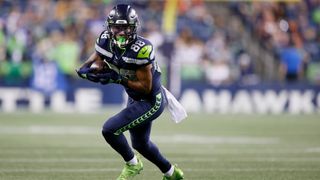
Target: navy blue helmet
[(122, 24)]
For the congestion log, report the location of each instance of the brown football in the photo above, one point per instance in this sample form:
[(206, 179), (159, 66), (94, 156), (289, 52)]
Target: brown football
[(99, 66)]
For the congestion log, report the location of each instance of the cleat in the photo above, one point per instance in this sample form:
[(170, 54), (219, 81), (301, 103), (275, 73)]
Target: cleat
[(130, 171), (177, 174)]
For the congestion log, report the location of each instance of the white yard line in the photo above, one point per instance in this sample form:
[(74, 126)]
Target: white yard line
[(196, 139), (178, 160), (55, 170), (56, 160), (95, 170), (86, 150), (256, 169), (249, 159), (172, 139), (313, 150), (54, 130)]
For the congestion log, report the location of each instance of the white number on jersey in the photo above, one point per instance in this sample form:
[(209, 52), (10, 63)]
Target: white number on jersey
[(140, 43), (137, 45), (104, 35)]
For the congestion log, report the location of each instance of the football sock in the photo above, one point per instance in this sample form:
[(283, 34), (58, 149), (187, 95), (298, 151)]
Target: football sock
[(170, 172), (151, 152), (133, 161)]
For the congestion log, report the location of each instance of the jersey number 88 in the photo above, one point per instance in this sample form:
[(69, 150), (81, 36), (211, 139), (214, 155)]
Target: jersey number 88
[(137, 45)]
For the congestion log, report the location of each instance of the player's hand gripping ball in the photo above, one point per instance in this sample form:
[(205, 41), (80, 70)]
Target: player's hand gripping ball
[(91, 71), (99, 67), (103, 73)]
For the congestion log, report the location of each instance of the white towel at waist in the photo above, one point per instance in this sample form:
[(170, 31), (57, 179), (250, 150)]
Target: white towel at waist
[(177, 111)]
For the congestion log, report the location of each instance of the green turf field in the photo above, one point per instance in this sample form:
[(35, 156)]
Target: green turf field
[(223, 147)]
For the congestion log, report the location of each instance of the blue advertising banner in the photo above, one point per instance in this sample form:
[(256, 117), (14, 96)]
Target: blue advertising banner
[(262, 98), (87, 97)]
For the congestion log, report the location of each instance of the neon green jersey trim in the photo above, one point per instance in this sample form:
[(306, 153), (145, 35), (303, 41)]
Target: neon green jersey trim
[(142, 118)]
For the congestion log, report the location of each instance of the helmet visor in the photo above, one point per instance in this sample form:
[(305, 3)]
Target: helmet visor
[(121, 30)]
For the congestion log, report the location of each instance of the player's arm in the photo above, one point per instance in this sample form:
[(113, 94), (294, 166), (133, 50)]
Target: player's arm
[(94, 57), (143, 83), (85, 70)]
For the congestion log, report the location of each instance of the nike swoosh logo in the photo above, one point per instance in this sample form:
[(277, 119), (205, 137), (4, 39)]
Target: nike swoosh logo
[(144, 51)]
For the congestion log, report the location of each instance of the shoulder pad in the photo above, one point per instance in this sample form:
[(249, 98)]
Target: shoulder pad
[(141, 53), (104, 36), (102, 44), (146, 51)]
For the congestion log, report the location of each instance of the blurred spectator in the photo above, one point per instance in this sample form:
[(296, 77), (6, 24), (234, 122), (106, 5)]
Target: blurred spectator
[(188, 54), (216, 48), (313, 74), (206, 46), (195, 17), (66, 51), (271, 22), (46, 77), (218, 57), (291, 64), (217, 72), (247, 75), (2, 41), (153, 33), (16, 42)]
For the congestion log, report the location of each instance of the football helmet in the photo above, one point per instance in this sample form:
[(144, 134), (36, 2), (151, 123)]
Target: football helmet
[(122, 23)]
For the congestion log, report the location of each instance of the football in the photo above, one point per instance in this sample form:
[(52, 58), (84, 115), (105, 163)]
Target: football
[(99, 66)]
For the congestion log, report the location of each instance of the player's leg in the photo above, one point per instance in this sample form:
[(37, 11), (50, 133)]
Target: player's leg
[(140, 138), (119, 143), (135, 114), (117, 140)]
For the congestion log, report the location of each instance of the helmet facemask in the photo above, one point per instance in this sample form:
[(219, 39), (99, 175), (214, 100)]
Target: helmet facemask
[(122, 34)]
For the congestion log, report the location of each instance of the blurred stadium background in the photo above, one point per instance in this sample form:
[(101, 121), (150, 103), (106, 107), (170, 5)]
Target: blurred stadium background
[(248, 73)]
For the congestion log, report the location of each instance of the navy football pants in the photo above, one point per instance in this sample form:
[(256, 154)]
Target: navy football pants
[(137, 118)]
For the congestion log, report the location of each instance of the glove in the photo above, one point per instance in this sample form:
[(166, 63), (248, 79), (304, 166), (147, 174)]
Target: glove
[(110, 77), (92, 77), (85, 73)]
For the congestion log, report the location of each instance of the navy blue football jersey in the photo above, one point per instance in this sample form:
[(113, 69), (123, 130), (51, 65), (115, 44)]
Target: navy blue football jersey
[(137, 54)]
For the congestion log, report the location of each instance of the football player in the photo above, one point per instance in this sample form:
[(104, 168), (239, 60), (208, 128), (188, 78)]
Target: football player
[(131, 63)]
